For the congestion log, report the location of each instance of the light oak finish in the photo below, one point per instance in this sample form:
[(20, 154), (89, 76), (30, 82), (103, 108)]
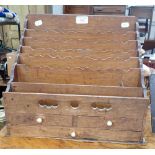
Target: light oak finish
[(102, 35), (79, 84), (33, 102), (74, 62), (121, 110), (20, 142), (85, 122), (76, 89), (60, 53), (84, 134), (69, 22), (78, 44), (107, 77)]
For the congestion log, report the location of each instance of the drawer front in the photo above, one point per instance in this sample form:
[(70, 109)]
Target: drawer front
[(77, 9), (109, 123), (75, 133), (75, 105), (106, 123), (39, 120), (109, 10)]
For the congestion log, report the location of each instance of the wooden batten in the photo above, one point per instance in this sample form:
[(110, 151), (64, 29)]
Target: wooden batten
[(74, 62), (101, 45), (69, 22), (28, 51), (111, 77), (56, 35), (76, 89)]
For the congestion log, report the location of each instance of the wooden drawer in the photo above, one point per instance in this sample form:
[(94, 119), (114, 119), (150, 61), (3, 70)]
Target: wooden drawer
[(81, 133), (109, 10), (76, 9), (30, 119), (108, 123), (90, 9), (102, 122)]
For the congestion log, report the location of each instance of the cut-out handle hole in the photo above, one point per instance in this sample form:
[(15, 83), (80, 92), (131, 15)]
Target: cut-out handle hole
[(101, 106), (74, 104), (48, 104)]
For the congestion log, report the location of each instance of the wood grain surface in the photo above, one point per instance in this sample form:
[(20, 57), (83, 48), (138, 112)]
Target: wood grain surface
[(78, 44), (78, 54), (73, 62), (76, 89), (69, 22), (107, 77), (98, 54), (49, 143), (61, 36)]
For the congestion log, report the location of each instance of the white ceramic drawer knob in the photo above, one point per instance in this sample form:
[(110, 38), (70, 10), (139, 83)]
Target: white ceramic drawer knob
[(109, 123), (39, 120), (73, 134)]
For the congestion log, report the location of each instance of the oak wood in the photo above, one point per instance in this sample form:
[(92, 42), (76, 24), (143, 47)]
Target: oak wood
[(69, 22), (97, 54), (21, 142), (115, 102), (98, 45), (76, 89), (130, 107), (29, 119), (73, 62), (75, 35), (107, 77), (82, 133)]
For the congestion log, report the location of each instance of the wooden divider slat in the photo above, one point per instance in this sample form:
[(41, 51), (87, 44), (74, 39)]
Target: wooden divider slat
[(45, 35), (62, 53), (69, 22), (129, 45), (73, 62), (76, 89), (108, 77)]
